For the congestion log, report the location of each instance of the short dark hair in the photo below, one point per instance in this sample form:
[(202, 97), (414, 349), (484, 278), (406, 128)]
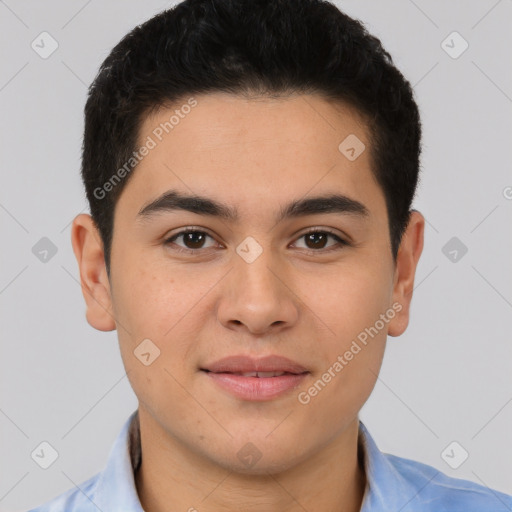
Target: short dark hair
[(243, 47)]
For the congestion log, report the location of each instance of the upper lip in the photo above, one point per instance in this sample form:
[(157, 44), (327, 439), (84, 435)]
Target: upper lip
[(243, 363)]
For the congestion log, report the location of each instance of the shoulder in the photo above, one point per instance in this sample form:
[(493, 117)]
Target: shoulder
[(79, 499), (438, 492)]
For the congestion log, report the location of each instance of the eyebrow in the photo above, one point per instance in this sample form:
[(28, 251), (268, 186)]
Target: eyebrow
[(173, 200)]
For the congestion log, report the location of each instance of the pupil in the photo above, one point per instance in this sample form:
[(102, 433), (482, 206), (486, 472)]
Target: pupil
[(190, 239), (311, 237)]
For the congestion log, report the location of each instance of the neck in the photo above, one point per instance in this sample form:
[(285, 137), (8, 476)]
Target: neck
[(171, 477)]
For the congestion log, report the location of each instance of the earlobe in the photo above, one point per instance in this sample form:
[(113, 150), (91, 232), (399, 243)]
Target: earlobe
[(88, 249), (407, 262)]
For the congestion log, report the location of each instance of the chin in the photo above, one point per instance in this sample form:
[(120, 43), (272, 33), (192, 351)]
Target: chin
[(262, 467), (258, 458)]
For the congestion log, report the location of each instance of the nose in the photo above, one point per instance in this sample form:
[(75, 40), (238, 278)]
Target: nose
[(257, 296)]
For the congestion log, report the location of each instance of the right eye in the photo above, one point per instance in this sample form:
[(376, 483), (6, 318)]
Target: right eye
[(193, 237)]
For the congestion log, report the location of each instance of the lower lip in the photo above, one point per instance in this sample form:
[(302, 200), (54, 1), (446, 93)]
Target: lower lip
[(256, 388)]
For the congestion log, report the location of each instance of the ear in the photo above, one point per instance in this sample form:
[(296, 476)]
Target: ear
[(88, 249), (407, 260)]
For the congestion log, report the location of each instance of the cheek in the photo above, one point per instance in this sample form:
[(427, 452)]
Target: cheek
[(152, 305), (347, 304), (345, 299), (149, 300), (161, 304), (351, 350)]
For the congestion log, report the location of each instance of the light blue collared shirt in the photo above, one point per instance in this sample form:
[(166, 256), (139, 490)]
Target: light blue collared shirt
[(394, 484)]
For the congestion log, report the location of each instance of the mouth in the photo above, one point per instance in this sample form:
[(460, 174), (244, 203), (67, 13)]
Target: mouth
[(259, 375), (252, 379)]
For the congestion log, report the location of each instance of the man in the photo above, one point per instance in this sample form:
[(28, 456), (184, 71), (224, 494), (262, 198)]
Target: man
[(250, 167)]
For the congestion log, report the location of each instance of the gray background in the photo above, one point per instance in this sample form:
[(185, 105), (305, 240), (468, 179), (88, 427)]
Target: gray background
[(447, 378)]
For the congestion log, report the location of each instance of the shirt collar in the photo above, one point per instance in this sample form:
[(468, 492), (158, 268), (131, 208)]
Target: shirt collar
[(115, 490), (386, 488)]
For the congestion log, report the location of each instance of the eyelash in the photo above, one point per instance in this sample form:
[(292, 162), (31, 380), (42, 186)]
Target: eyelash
[(340, 245)]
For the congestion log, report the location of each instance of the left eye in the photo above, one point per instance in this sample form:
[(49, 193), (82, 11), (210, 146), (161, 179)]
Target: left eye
[(319, 238), (194, 240)]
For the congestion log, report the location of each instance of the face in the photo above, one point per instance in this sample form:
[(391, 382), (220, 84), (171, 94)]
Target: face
[(261, 284)]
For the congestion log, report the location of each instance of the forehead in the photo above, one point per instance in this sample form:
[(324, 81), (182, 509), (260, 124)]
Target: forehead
[(253, 152)]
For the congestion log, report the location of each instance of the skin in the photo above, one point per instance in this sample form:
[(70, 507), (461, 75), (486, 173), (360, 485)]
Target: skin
[(257, 155)]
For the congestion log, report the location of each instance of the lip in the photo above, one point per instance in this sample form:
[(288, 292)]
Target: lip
[(242, 363), (223, 373)]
